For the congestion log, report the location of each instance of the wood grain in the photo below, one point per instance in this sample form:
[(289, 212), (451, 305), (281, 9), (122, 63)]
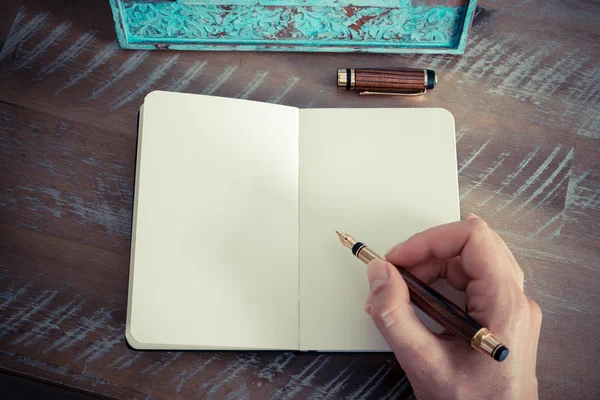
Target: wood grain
[(400, 81), (440, 309), (525, 98)]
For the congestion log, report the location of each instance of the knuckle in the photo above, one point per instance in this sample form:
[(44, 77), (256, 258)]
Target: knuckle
[(384, 315), (478, 225), (522, 304), (535, 309), (520, 276), (416, 237)]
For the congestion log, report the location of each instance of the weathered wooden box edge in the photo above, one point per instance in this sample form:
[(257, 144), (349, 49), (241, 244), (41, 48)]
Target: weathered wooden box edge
[(193, 25)]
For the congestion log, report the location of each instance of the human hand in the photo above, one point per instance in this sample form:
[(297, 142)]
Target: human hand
[(474, 259)]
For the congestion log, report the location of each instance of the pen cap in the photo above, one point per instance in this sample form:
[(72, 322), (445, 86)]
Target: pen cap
[(404, 81)]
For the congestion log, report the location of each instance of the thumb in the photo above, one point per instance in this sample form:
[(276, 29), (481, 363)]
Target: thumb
[(389, 306)]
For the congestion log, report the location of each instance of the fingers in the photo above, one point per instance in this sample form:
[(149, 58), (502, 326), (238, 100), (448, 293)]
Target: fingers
[(536, 321), (472, 239), (511, 261), (451, 270), (389, 306), (486, 269), (516, 269)]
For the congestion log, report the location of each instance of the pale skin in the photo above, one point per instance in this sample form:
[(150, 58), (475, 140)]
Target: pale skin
[(474, 259)]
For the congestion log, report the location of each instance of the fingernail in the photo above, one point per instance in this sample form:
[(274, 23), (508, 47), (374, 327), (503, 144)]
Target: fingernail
[(471, 215), (368, 305), (378, 274), (393, 248)]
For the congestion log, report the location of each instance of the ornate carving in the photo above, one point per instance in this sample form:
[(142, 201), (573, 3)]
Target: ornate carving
[(293, 25)]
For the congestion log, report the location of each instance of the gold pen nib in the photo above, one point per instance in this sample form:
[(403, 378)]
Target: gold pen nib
[(346, 240)]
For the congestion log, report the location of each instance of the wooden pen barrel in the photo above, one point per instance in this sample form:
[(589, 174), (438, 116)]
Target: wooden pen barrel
[(428, 300), (408, 81), (444, 312), (436, 306)]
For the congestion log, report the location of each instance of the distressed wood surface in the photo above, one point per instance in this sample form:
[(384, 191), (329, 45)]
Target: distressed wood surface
[(525, 97)]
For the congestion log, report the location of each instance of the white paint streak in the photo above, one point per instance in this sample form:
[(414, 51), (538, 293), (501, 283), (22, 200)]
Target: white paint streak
[(86, 325), (20, 35), (522, 65), (435, 62), (473, 156), (532, 178), (129, 363), (548, 181), (229, 374), (36, 364), (589, 125), (555, 233), (34, 306), (332, 387), (513, 175), (97, 349), (53, 37), (423, 59), (96, 62), (481, 45), (182, 83), (130, 65), (161, 364), (278, 98), (365, 390), (460, 134), (587, 84), (10, 296), (581, 199), (147, 83), (310, 103), (240, 393), (447, 61), (491, 56), (592, 93), (495, 165), (189, 376), (52, 322), (298, 382), (547, 224), (18, 18), (572, 197), (551, 193), (549, 78), (69, 55), (115, 221), (278, 364), (395, 392), (591, 203), (126, 360), (253, 85), (227, 72)]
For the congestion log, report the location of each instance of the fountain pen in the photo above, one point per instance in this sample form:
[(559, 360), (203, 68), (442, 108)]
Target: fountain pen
[(398, 82), (436, 306)]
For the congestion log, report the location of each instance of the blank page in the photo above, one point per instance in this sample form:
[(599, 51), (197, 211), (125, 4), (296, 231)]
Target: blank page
[(214, 246), (380, 175)]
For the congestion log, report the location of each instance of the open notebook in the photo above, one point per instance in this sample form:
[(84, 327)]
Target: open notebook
[(235, 212)]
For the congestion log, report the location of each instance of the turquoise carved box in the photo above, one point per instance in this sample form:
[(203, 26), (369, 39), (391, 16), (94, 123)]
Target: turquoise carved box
[(379, 26)]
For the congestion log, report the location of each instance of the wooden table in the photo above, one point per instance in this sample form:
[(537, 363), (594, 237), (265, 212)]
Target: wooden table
[(526, 98)]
